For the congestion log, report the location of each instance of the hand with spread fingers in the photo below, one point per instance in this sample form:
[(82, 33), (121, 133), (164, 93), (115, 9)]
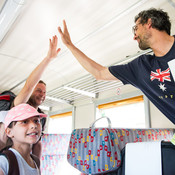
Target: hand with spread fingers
[(53, 51), (97, 70), (65, 35)]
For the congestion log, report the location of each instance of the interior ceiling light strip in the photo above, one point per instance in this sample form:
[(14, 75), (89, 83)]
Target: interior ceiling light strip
[(8, 15)]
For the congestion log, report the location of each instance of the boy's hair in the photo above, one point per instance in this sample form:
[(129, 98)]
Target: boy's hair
[(41, 81), (160, 19)]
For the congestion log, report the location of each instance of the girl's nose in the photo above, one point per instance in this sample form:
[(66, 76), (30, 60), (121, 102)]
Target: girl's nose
[(33, 124)]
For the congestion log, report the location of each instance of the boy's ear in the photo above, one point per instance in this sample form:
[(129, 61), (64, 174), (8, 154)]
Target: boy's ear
[(9, 132)]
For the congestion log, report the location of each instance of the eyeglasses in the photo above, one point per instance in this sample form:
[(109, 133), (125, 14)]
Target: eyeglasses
[(134, 28)]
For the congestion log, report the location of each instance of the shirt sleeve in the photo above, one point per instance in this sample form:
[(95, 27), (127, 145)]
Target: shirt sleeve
[(127, 73), (4, 164)]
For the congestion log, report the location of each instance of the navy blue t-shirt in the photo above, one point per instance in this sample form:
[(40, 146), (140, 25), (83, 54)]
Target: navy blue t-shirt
[(153, 77)]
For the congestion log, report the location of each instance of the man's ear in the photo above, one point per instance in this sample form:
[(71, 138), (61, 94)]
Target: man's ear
[(9, 132), (149, 23)]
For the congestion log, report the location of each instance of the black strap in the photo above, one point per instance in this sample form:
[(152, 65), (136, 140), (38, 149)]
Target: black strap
[(36, 159), (13, 164)]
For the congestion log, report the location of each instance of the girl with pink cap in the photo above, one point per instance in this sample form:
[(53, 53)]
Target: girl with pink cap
[(23, 128)]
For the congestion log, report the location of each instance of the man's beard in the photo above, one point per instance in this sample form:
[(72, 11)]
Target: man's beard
[(143, 44)]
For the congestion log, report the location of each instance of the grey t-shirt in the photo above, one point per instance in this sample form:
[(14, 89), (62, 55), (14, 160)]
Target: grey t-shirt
[(24, 168)]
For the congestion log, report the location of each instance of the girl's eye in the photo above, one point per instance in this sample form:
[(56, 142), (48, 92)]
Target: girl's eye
[(25, 121), (37, 121)]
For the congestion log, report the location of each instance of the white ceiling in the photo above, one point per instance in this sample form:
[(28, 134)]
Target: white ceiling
[(100, 28)]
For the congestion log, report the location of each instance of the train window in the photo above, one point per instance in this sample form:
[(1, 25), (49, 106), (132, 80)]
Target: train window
[(128, 113), (58, 122)]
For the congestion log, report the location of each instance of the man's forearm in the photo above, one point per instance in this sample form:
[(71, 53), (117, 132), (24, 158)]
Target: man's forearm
[(91, 66), (36, 74), (31, 82), (98, 71)]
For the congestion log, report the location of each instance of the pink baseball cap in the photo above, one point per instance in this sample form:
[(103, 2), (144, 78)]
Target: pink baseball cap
[(21, 112)]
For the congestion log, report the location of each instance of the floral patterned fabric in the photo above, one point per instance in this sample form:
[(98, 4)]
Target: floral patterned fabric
[(54, 150), (98, 150)]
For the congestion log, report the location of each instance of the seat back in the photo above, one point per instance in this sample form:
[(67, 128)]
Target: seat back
[(98, 150), (54, 149)]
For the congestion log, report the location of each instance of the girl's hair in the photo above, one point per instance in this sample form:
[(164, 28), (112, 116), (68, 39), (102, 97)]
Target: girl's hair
[(9, 142)]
